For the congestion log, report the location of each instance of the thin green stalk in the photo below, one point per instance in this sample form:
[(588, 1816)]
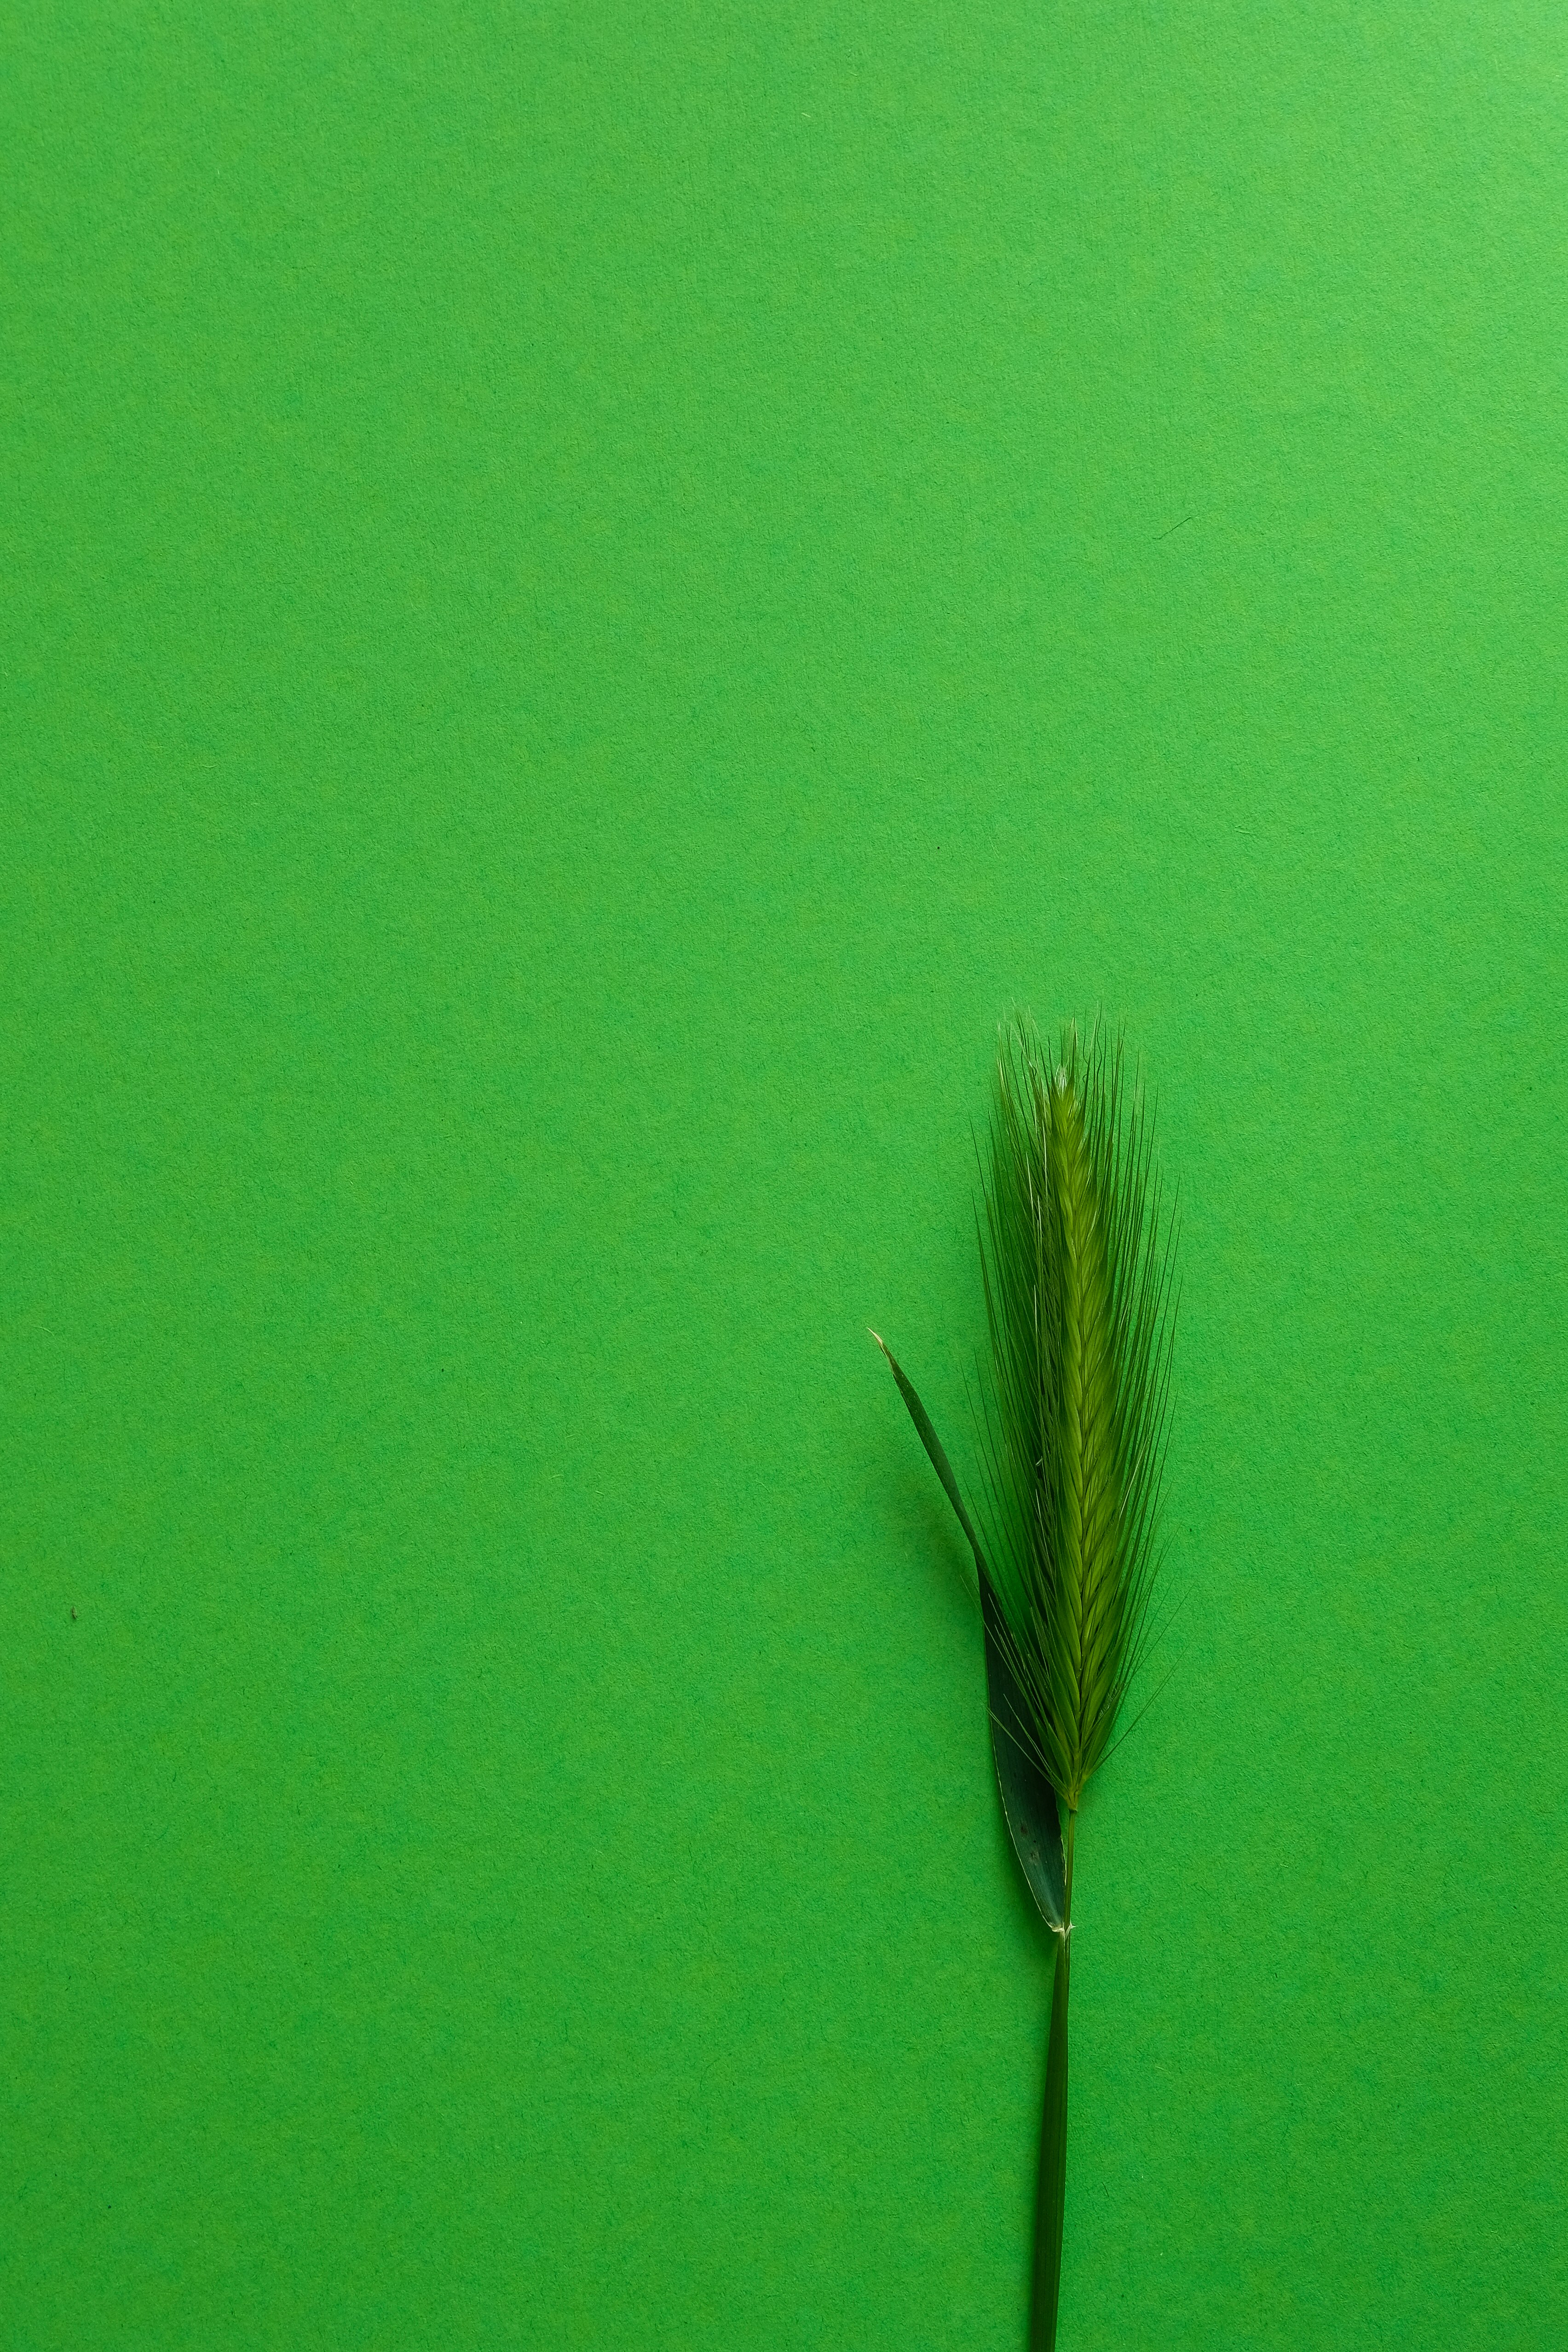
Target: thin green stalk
[(1051, 2200)]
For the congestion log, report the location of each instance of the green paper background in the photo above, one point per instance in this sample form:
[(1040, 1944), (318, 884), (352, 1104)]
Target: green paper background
[(590, 595)]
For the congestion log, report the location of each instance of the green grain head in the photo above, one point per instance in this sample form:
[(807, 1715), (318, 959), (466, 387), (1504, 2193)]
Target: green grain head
[(1077, 1260)]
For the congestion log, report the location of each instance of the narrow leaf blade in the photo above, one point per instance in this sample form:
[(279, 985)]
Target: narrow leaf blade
[(1028, 1800)]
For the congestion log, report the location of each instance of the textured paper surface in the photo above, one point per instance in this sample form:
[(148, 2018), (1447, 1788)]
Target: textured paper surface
[(590, 594)]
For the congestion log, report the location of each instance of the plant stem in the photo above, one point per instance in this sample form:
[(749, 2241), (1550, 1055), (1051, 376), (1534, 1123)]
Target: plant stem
[(1052, 2198)]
